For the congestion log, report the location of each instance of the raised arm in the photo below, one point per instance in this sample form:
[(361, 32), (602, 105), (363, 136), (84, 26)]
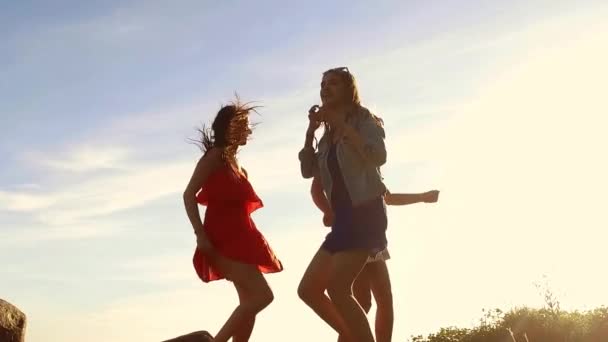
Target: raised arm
[(307, 154), (307, 158)]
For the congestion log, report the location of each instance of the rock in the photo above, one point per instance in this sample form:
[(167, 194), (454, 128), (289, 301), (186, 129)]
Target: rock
[(12, 323), (197, 336)]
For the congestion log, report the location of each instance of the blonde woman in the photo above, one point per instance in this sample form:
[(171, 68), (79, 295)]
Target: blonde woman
[(347, 161)]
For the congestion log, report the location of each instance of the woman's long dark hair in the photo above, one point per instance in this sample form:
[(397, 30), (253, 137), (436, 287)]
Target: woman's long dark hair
[(228, 128)]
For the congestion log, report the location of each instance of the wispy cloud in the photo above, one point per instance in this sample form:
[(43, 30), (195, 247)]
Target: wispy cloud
[(104, 194), (23, 201), (31, 234), (81, 158)]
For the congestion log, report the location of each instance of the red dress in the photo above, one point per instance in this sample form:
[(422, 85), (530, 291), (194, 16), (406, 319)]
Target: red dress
[(230, 199)]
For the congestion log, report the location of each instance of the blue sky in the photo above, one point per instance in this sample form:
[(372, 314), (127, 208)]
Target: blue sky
[(497, 104)]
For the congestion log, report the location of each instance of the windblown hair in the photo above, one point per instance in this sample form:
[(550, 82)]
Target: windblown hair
[(228, 128)]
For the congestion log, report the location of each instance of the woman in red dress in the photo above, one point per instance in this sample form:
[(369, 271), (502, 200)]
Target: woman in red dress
[(229, 246)]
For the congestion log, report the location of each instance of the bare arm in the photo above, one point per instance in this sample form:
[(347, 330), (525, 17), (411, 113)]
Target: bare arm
[(203, 169), (307, 154), (307, 157), (406, 199), (402, 199), (318, 196)]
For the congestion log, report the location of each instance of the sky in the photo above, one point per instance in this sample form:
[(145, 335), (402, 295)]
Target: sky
[(499, 105)]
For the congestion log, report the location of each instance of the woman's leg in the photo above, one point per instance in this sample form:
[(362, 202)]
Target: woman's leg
[(249, 280), (243, 332), (346, 266), (362, 293), (312, 291), (362, 289), (381, 287)]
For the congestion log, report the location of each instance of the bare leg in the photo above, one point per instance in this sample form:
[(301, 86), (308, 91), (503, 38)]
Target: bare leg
[(362, 293), (312, 291), (252, 282), (346, 267), (362, 289), (244, 331), (381, 287)]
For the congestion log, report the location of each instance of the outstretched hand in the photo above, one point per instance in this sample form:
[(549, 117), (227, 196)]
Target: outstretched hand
[(430, 196)]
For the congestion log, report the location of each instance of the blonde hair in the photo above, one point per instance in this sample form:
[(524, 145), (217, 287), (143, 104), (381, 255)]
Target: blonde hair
[(349, 79)]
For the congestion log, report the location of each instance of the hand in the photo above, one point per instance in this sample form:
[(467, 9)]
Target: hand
[(315, 118), (430, 196), (328, 219), (204, 245)]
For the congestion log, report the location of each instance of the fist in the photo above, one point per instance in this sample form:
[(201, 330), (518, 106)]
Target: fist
[(430, 196), (315, 117)]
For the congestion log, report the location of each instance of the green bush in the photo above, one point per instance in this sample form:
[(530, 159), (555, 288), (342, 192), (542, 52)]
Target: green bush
[(550, 324)]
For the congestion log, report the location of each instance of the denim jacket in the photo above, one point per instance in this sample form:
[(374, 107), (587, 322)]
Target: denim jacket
[(361, 174)]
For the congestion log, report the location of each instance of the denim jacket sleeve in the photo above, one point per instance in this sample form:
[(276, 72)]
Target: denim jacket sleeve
[(373, 136)]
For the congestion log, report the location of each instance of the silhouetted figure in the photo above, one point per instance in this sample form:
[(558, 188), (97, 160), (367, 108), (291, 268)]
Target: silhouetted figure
[(229, 246), (374, 278), (347, 160)]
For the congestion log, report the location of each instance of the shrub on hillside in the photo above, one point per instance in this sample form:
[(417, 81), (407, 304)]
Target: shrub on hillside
[(530, 325)]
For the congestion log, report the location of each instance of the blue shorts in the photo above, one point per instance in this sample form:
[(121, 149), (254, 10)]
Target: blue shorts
[(362, 227)]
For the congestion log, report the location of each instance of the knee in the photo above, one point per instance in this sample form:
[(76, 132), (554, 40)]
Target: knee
[(307, 292), (265, 299), (259, 301), (303, 292)]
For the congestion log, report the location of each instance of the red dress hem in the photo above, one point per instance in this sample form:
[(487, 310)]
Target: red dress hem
[(230, 200)]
